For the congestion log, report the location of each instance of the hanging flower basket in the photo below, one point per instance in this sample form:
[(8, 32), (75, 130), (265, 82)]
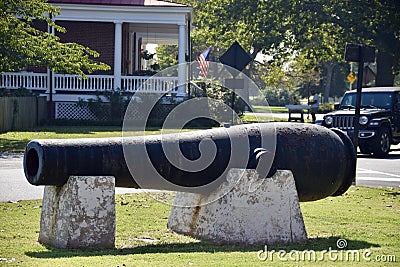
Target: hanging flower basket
[(146, 55)]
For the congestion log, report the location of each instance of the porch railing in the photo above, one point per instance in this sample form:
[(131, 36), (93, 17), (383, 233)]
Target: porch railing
[(145, 84), (67, 82), (76, 84), (16, 80)]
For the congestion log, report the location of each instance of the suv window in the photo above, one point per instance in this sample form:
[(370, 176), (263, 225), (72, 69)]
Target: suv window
[(380, 100)]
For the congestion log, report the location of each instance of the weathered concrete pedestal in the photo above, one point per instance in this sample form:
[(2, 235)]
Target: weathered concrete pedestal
[(255, 212), (80, 214)]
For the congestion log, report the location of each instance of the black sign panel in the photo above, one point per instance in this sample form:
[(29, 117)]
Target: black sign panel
[(235, 57), (359, 53)]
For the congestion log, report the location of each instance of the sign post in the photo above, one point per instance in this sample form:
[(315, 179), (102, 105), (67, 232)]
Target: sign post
[(361, 54), (237, 58)]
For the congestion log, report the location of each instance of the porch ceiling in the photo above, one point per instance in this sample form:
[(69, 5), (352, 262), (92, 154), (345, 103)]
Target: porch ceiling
[(119, 2), (166, 34), (158, 38), (153, 28), (128, 11)]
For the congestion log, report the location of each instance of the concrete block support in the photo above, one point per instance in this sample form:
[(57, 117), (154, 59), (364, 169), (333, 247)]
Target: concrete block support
[(255, 212), (80, 214)]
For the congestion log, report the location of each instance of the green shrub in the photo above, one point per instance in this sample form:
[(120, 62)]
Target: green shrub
[(278, 97), (326, 107)]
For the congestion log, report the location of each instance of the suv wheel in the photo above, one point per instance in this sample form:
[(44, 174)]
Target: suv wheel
[(381, 145)]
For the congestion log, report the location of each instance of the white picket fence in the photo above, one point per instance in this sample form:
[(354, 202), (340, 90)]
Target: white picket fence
[(92, 83)]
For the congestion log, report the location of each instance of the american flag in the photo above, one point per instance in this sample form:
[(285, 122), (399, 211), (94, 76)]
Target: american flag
[(203, 62)]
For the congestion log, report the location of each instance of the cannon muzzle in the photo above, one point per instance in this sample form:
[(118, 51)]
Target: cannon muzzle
[(323, 161)]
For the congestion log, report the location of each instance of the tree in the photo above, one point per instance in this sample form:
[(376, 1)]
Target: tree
[(254, 24), (373, 22), (380, 25), (167, 56), (259, 26), (321, 43), (22, 45), (316, 29), (296, 72), (277, 28)]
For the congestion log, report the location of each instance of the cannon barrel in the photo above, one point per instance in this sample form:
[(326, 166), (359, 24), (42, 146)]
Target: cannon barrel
[(323, 162)]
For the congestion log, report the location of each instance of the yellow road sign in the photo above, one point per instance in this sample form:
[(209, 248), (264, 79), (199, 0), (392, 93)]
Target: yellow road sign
[(351, 77)]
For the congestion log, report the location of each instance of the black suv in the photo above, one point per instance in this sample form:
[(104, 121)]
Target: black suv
[(379, 119)]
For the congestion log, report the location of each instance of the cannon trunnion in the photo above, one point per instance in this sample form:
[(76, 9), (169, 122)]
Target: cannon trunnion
[(323, 161)]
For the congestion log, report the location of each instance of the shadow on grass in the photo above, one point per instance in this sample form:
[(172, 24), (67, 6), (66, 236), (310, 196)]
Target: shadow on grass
[(393, 194), (13, 145), (316, 244), (78, 129)]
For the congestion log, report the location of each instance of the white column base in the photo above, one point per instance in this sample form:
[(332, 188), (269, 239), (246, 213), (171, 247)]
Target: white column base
[(80, 214), (254, 212)]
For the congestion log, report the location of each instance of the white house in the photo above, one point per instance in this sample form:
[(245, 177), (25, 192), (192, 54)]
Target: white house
[(119, 30)]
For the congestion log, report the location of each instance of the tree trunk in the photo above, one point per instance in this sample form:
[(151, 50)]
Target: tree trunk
[(329, 71), (254, 53), (384, 64)]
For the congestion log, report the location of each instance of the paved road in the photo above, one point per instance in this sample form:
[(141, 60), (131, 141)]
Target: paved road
[(379, 172), (14, 187)]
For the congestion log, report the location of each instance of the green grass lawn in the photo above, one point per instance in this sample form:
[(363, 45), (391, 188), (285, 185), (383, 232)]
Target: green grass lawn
[(15, 141), (251, 118), (367, 218), (273, 109)]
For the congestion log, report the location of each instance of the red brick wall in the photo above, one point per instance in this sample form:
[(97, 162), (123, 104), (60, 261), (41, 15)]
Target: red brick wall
[(98, 36), (40, 25)]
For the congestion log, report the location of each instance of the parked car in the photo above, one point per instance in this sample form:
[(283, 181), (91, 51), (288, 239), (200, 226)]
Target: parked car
[(379, 119)]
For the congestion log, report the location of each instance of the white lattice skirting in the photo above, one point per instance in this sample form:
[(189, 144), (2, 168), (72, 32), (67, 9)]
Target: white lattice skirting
[(71, 111)]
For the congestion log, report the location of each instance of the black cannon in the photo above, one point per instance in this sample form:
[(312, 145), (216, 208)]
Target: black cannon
[(323, 162)]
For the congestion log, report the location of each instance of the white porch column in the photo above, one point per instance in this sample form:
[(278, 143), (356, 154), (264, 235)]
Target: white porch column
[(181, 61), (50, 74), (117, 54)]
